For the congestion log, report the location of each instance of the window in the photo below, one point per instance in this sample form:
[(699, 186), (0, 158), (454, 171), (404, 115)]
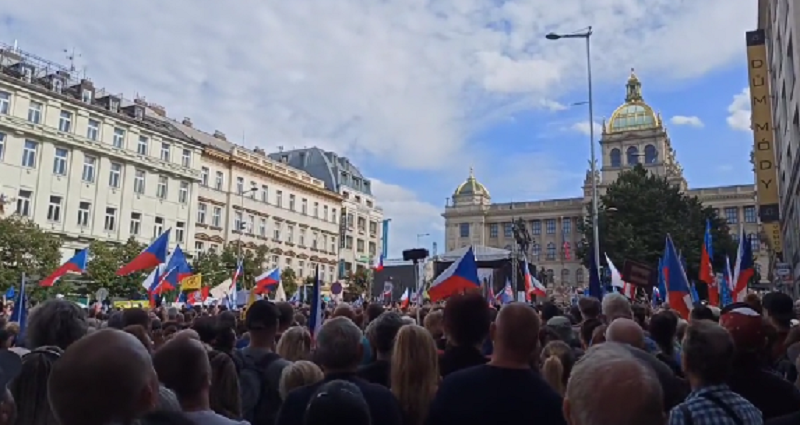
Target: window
[(290, 234), (54, 209), (566, 225), (755, 243), (650, 154), (183, 193), (165, 150), (251, 224), (115, 175), (508, 230), (463, 230), (315, 212), (93, 130), (325, 212), (119, 138), (348, 242), (5, 102), (186, 158), (89, 163), (373, 228), (750, 214), (198, 246), (579, 276), (333, 245), (158, 229), (136, 223), (549, 274), (302, 241), (219, 180), (276, 232), (536, 250), (373, 249), (732, 215), (216, 218), (616, 157), (141, 147), (564, 276), (551, 251), (359, 246), (201, 213), (238, 222), (110, 223), (632, 155), (291, 202), (253, 189), (35, 112), (239, 185), (536, 227), (314, 238), (180, 229), (204, 176), (65, 121), (84, 211), (86, 96), (279, 199), (29, 154), (262, 228), (264, 193), (24, 202), (550, 226), (493, 230), (2, 144), (304, 206), (161, 189), (324, 242), (60, 162), (138, 182)]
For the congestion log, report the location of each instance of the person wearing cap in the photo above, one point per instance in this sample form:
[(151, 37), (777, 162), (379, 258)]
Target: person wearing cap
[(750, 378), (337, 402), (562, 327)]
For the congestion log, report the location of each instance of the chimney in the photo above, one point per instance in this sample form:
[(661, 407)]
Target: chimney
[(158, 109), (220, 135), (187, 121)]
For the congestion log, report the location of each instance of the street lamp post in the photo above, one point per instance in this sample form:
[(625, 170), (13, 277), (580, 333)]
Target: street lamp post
[(587, 35)]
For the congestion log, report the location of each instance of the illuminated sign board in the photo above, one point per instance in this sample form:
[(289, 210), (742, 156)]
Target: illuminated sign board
[(763, 139)]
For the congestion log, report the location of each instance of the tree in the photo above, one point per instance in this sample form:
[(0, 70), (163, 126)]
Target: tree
[(253, 262), (636, 213), (358, 281), (289, 280), (26, 248), (105, 259), (209, 264)]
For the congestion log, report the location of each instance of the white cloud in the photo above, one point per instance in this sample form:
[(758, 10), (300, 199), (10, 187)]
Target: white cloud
[(583, 127), (739, 111), (410, 217), (401, 79), (688, 121)]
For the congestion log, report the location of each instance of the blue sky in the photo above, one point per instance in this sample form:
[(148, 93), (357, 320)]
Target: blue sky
[(417, 91)]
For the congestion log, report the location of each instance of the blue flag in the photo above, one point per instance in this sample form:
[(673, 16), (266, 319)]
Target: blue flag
[(11, 293), (693, 290), (20, 313)]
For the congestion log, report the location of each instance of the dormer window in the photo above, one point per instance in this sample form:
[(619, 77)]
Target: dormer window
[(57, 85), (113, 105), (86, 96), (27, 74), (138, 113)]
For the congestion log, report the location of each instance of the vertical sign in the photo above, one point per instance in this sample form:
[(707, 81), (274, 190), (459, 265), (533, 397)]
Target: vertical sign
[(763, 139), (385, 237)]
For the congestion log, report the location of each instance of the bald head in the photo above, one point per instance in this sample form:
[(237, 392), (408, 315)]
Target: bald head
[(625, 331), (344, 310), (183, 366), (115, 375), (515, 331), (187, 334)]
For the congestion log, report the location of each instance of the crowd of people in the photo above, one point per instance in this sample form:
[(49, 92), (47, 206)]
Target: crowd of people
[(595, 363)]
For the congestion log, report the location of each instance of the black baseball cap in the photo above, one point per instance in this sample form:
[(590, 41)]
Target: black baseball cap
[(337, 402), (261, 315), (10, 367)]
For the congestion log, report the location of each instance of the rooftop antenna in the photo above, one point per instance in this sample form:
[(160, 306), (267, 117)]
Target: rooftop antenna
[(71, 58), (280, 148)]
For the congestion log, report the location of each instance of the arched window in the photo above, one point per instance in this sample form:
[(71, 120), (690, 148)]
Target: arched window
[(755, 243), (536, 251), (579, 276), (550, 276), (551, 251), (564, 276), (650, 154), (616, 157), (633, 155)]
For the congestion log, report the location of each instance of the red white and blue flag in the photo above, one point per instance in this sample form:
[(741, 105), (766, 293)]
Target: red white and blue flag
[(150, 257), (461, 276), (77, 264)]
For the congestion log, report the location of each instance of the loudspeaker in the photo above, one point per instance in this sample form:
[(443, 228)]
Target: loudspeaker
[(415, 254)]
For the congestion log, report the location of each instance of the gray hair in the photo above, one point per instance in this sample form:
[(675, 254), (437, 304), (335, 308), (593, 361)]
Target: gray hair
[(607, 374), (708, 352), (56, 322), (408, 320), (383, 330), (339, 344), (615, 305)]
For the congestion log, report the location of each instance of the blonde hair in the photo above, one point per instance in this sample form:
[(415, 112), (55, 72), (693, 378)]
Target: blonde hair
[(557, 361), (298, 374), (414, 372), (295, 344)]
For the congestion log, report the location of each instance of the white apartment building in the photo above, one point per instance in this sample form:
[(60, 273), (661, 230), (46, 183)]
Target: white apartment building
[(361, 219), (780, 20), (88, 165), (245, 195)]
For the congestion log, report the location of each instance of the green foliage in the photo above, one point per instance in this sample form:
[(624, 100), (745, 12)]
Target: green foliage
[(289, 280), (26, 248), (219, 266), (210, 265), (636, 213), (105, 259), (358, 281)]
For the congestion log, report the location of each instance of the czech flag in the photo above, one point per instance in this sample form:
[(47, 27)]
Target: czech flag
[(236, 275), (743, 269), (179, 269), (198, 297), (532, 285), (405, 300), (152, 256), (706, 269), (378, 263), (617, 282), (678, 293), (506, 295), (267, 280), (462, 275), (76, 264)]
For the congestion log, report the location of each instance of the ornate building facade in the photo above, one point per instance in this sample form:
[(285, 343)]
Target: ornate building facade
[(635, 134)]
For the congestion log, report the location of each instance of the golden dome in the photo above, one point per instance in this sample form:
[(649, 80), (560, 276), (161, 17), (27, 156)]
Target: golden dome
[(634, 114), (471, 187)]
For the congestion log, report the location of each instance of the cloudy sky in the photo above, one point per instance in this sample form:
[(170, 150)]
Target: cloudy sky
[(417, 91)]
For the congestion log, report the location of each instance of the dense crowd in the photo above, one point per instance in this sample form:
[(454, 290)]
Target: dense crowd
[(605, 362)]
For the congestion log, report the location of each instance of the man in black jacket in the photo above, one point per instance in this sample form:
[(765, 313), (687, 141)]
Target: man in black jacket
[(338, 352)]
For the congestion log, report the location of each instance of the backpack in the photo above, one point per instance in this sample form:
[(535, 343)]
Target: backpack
[(258, 383)]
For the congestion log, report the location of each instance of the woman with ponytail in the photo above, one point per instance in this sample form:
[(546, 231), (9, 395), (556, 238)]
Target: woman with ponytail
[(557, 360)]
